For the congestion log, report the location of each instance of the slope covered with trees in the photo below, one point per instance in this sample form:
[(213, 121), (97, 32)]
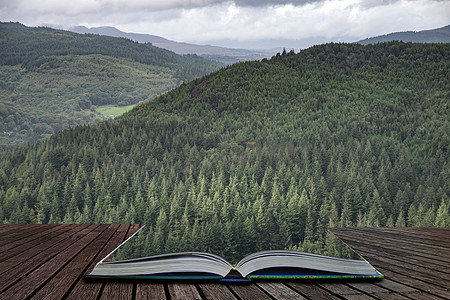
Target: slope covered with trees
[(258, 155), (51, 79)]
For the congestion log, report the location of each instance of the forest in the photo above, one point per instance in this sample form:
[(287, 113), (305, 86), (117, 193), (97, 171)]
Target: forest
[(55, 79), (273, 151)]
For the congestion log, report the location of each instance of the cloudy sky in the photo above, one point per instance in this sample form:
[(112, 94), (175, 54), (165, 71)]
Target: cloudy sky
[(238, 23)]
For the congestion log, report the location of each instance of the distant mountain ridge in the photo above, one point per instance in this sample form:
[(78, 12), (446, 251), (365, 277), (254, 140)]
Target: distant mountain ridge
[(53, 79), (438, 35), (221, 54), (114, 32)]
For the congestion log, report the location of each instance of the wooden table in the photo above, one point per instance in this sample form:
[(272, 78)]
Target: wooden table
[(49, 262)]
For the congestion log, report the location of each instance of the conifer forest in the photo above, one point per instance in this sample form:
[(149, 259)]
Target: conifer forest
[(257, 155)]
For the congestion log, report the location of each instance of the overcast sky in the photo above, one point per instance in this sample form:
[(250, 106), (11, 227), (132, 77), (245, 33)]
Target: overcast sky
[(239, 23)]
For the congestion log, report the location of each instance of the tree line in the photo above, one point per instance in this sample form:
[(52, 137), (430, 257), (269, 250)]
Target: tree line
[(259, 155)]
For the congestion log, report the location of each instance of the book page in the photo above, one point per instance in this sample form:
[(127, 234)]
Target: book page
[(334, 260), (309, 261), (131, 260)]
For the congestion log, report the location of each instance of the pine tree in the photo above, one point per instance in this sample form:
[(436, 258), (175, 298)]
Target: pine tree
[(195, 240), (55, 207), (442, 215), (413, 218), (310, 227), (400, 220), (346, 214)]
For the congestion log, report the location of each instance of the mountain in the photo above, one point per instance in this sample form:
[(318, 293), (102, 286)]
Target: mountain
[(273, 151), (221, 54), (53, 79), (439, 35)]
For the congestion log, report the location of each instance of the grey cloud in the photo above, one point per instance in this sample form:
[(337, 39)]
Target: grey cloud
[(375, 3), (256, 3), (250, 21), (261, 3), (132, 6)]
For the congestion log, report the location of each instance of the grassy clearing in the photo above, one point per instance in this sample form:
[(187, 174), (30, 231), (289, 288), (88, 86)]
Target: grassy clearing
[(114, 110)]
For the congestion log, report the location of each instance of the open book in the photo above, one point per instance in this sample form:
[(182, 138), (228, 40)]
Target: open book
[(274, 264)]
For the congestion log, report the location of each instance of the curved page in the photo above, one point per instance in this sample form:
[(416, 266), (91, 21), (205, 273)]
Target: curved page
[(141, 257), (306, 263), (176, 263), (129, 260)]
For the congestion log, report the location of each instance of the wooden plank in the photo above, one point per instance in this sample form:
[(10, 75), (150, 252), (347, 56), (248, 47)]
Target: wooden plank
[(26, 240), (20, 244), (312, 291), (439, 231), (26, 232), (395, 286), (60, 284), (150, 291), (403, 244), (394, 258), (7, 229), (28, 266), (377, 291), (343, 290), (421, 262), (437, 278), (183, 291), (118, 291), (418, 239), (406, 269), (397, 248), (409, 292), (418, 284), (248, 291), (441, 252), (91, 290), (28, 285), (421, 296), (426, 237), (426, 262), (278, 290), (21, 231), (213, 291), (356, 297), (26, 255), (110, 285)]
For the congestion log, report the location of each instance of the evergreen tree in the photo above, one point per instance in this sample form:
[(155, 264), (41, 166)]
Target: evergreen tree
[(442, 215)]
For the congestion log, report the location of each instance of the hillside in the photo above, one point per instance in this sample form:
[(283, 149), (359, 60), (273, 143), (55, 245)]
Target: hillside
[(221, 54), (439, 35), (52, 79), (274, 151)]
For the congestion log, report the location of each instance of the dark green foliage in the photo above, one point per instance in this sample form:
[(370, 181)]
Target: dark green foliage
[(33, 47), (258, 155), (54, 79)]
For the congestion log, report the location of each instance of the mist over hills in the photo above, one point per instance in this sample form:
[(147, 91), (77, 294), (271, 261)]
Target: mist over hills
[(438, 35), (221, 54), (274, 151), (229, 55)]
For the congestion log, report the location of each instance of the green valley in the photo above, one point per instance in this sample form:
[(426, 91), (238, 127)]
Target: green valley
[(274, 151), (50, 78)]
